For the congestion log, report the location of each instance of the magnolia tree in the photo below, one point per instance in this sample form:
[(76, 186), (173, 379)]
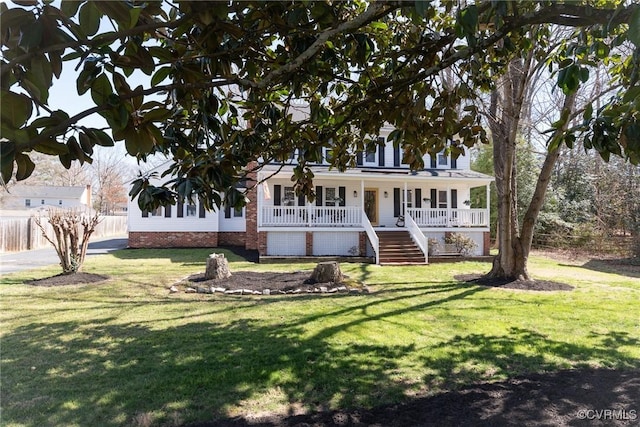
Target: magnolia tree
[(213, 85), (69, 235)]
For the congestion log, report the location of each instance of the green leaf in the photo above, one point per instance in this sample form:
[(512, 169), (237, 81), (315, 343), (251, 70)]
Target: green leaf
[(101, 89), (70, 7), (422, 6), (134, 15), (631, 94), (89, 18), (31, 36), (75, 151), (15, 108), (86, 143), (160, 75), (7, 156), (634, 28), (102, 138), (25, 166), (51, 147)]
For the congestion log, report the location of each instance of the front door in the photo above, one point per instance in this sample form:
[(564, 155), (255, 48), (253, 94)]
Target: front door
[(371, 205)]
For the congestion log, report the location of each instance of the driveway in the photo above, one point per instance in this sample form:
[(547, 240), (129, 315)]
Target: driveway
[(11, 262)]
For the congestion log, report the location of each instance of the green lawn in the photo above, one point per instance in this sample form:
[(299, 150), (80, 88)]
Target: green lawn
[(126, 352)]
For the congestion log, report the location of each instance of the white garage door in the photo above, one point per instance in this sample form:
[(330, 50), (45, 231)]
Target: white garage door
[(286, 243)]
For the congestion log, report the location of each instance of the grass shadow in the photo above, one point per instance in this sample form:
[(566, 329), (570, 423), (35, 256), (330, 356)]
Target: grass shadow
[(629, 267)]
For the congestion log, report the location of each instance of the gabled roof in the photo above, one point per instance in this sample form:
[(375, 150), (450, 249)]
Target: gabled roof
[(48, 191)]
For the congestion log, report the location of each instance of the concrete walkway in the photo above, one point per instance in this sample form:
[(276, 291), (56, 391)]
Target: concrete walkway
[(26, 260)]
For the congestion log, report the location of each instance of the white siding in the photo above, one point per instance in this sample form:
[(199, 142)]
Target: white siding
[(159, 223), (335, 243), (286, 243)]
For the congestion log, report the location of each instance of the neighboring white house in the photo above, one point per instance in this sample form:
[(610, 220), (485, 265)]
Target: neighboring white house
[(380, 209), (23, 197)]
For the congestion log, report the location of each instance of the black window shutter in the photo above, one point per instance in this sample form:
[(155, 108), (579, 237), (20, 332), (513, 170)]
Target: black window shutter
[(202, 212), (180, 208), (277, 195), (396, 156), (418, 198), (454, 199), (359, 158), (433, 162), (301, 200), (434, 197), (342, 193), (454, 163), (145, 214), (380, 155), (396, 202), (318, 195), (227, 211), (167, 211)]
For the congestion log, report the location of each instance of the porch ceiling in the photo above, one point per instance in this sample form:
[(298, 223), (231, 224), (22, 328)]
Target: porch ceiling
[(387, 174)]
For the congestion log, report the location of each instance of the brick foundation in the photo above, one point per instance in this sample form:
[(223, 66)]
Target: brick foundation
[(173, 239), (486, 243), (252, 241), (362, 243), (262, 243), (309, 243), (232, 238)]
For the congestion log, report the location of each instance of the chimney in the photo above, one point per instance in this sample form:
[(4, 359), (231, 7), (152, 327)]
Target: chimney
[(89, 196)]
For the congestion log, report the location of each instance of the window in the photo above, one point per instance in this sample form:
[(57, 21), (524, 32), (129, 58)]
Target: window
[(328, 155), (191, 210), (330, 196), (157, 211), (27, 203), (370, 157), (442, 199), (237, 212), (289, 197), (442, 159)]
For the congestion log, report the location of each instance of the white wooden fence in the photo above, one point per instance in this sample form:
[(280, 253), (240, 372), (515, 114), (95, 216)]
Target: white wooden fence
[(21, 234)]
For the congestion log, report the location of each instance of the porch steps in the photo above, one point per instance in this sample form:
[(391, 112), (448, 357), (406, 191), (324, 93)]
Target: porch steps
[(397, 248)]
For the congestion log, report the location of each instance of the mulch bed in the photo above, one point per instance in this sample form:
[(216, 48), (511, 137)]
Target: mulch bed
[(275, 282), (69, 279), (587, 397), (526, 285)]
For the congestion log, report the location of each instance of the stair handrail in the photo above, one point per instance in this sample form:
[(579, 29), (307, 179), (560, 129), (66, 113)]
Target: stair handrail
[(371, 234), (417, 236)]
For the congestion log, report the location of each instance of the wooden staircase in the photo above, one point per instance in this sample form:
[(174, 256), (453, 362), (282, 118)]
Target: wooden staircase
[(397, 248)]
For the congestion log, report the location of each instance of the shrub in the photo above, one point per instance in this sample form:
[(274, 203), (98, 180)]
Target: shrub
[(463, 244)]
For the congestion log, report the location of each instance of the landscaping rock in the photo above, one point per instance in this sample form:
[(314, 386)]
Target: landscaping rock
[(217, 267)]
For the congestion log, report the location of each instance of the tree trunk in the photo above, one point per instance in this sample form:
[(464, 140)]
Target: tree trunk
[(326, 272), (514, 243), (217, 267)]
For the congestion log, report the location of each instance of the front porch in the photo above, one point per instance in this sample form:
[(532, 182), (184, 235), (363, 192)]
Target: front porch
[(352, 217)]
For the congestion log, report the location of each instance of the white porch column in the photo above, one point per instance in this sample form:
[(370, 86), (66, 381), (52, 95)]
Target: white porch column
[(449, 201), (488, 205), (405, 199), (362, 194), (260, 197)]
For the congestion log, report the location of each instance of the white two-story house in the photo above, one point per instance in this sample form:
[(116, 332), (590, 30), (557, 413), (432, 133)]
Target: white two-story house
[(379, 209)]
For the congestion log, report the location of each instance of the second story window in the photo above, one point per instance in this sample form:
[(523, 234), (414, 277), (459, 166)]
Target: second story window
[(27, 203), (191, 210), (442, 159)]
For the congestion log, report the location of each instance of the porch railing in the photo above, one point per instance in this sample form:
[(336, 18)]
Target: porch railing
[(447, 217), (372, 236), (417, 236), (311, 216)]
